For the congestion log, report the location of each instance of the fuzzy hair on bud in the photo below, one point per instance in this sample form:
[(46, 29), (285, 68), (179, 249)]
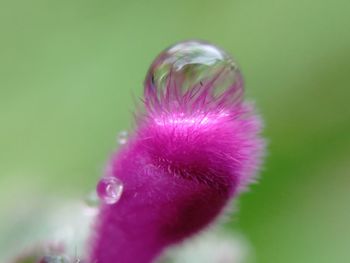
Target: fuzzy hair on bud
[(191, 153)]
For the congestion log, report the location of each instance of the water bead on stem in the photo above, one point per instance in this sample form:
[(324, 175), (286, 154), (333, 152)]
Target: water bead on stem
[(122, 137), (55, 259), (109, 189)]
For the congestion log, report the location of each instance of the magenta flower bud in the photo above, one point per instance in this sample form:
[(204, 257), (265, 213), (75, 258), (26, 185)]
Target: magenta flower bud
[(194, 148)]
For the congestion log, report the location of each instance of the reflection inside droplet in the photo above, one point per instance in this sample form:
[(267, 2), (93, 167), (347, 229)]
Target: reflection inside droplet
[(109, 189)]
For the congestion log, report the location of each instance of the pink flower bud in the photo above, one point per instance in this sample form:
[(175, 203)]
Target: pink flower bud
[(194, 148)]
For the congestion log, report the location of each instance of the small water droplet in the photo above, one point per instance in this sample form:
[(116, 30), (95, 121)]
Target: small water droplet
[(92, 200), (109, 189), (54, 259), (123, 137)]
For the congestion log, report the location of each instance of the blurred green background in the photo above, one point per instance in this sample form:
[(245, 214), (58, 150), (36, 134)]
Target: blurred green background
[(71, 70)]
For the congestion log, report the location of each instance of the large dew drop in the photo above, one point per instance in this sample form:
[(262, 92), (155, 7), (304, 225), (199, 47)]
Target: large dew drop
[(191, 67), (109, 189)]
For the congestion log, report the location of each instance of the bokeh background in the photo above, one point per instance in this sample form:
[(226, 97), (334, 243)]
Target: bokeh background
[(70, 72)]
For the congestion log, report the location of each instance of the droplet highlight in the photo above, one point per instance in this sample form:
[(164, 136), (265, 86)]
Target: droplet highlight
[(122, 137), (109, 189)]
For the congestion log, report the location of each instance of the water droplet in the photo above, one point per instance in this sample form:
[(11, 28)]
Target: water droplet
[(54, 259), (109, 189), (122, 137), (92, 200), (191, 66)]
